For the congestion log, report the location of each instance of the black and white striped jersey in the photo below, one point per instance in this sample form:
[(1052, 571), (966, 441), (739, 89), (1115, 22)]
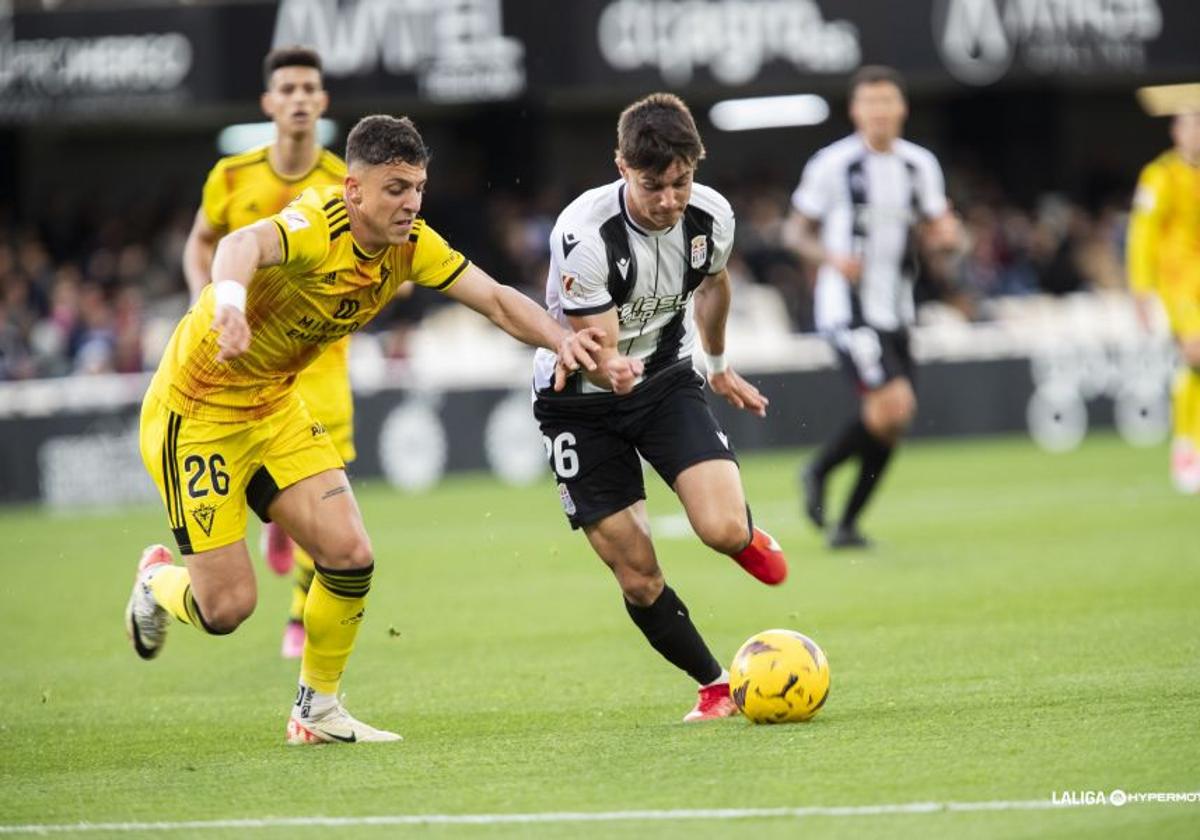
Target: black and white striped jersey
[(867, 203), (601, 259)]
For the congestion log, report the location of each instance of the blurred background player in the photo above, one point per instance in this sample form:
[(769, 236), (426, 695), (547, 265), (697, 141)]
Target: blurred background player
[(223, 426), (644, 260), (853, 216), (1163, 255), (244, 188)]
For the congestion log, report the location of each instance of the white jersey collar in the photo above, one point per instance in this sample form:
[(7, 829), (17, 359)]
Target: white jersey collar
[(871, 150)]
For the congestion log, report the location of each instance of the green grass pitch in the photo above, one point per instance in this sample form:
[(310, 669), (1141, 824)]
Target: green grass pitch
[(1028, 624)]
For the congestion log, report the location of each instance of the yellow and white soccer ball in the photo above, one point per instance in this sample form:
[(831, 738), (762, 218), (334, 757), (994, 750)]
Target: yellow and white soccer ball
[(779, 676)]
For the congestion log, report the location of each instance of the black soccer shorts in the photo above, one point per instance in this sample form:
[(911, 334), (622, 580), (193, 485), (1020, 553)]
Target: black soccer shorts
[(872, 357), (593, 441)]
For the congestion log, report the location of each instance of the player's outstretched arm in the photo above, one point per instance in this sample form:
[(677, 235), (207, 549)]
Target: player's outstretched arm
[(527, 322), (613, 371), (198, 254), (712, 311), (238, 256)]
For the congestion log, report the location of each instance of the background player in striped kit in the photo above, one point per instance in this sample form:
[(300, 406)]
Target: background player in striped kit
[(855, 211)]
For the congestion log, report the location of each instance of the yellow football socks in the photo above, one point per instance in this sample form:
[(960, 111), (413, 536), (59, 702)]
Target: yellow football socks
[(332, 613), (172, 588)]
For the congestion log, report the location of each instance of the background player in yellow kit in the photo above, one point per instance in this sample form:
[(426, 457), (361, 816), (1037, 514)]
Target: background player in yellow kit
[(223, 427), (1164, 261), (240, 190)]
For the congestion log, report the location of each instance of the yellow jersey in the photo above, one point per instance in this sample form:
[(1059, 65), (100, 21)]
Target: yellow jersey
[(243, 188), (1163, 247), (325, 288)]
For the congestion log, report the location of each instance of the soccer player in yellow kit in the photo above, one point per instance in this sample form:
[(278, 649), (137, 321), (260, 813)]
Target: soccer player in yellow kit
[(1163, 253), (223, 427), (240, 190)]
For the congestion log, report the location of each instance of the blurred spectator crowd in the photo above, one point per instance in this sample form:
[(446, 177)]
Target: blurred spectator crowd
[(84, 294)]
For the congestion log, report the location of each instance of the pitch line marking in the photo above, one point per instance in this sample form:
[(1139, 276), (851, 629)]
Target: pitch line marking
[(546, 817)]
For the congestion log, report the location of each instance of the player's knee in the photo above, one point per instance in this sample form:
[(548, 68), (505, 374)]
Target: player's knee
[(225, 613), (350, 553), (902, 413), (896, 413), (725, 532)]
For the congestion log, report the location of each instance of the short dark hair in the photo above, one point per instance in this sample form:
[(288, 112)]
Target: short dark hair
[(293, 56), (380, 139), (657, 130), (873, 74)]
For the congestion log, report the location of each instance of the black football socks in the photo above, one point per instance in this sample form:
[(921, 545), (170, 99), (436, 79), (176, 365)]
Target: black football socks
[(851, 440), (875, 457), (669, 629)]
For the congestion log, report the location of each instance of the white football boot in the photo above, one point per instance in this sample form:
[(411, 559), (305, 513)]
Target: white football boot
[(335, 726), (146, 622)]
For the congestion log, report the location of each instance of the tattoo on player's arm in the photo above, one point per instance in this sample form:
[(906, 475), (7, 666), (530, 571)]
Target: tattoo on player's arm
[(336, 491)]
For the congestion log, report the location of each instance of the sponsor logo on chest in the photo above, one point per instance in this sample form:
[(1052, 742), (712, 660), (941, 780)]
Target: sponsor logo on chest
[(645, 308)]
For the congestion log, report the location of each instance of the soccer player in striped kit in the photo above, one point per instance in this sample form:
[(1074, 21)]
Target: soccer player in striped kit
[(859, 203)]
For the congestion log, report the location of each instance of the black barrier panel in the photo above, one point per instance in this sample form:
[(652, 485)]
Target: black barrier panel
[(73, 458), (123, 63), (163, 59)]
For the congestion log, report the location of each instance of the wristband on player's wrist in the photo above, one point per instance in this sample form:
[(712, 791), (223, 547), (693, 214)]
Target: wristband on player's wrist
[(715, 364), (230, 293)]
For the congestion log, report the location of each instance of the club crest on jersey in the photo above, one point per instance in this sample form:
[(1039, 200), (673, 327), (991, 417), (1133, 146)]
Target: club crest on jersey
[(699, 250), (204, 515)]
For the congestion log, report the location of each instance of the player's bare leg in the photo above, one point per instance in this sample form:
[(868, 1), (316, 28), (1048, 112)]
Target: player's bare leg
[(623, 542), (223, 586), (888, 410), (322, 516), (712, 496)]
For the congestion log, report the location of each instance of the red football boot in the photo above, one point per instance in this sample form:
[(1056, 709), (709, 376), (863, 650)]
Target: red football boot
[(763, 558), (714, 702)]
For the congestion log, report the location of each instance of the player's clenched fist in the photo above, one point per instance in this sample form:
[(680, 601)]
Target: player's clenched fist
[(623, 372)]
